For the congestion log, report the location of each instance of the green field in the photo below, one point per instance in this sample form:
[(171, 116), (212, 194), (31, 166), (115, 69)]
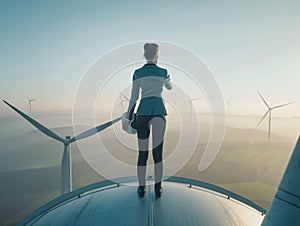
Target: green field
[(30, 168), (257, 192)]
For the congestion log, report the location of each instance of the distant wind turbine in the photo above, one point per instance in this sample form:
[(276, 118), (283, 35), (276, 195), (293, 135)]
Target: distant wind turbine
[(29, 103), (189, 104), (123, 98), (269, 111), (228, 102), (66, 170)]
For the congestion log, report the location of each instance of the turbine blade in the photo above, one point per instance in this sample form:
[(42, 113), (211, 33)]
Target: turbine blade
[(36, 124), (263, 117), (195, 99), (263, 99), (278, 106), (93, 131), (123, 95)]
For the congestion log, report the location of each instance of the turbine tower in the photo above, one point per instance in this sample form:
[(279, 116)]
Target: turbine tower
[(29, 103), (189, 104), (66, 170), (228, 102), (123, 98), (269, 111)]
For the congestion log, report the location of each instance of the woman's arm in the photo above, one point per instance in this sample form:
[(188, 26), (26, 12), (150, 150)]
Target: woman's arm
[(135, 90), (168, 83)]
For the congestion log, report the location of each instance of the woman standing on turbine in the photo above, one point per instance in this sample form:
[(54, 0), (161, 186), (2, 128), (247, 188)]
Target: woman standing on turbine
[(150, 115)]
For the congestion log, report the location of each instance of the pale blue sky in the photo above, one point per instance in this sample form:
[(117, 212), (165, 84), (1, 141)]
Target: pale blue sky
[(47, 45)]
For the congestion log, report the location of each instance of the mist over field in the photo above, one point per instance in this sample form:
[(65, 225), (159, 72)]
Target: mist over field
[(246, 164)]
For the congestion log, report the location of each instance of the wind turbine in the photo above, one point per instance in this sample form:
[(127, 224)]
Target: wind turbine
[(269, 111), (123, 98), (228, 102), (29, 103), (189, 103), (66, 170)]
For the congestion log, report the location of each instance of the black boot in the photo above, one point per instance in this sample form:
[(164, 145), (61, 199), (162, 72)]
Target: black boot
[(141, 191), (158, 190)]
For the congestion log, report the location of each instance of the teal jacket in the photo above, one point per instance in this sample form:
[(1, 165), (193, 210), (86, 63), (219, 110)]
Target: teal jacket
[(150, 80)]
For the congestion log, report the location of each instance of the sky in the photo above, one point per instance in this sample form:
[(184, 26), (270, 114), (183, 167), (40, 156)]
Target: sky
[(46, 46)]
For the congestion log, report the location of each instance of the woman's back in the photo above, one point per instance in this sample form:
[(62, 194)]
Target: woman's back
[(151, 79)]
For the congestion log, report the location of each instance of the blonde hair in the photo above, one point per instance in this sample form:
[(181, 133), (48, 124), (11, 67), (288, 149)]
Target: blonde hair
[(151, 51)]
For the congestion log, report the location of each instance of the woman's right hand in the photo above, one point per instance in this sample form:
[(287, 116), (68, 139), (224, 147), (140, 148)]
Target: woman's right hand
[(125, 125)]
